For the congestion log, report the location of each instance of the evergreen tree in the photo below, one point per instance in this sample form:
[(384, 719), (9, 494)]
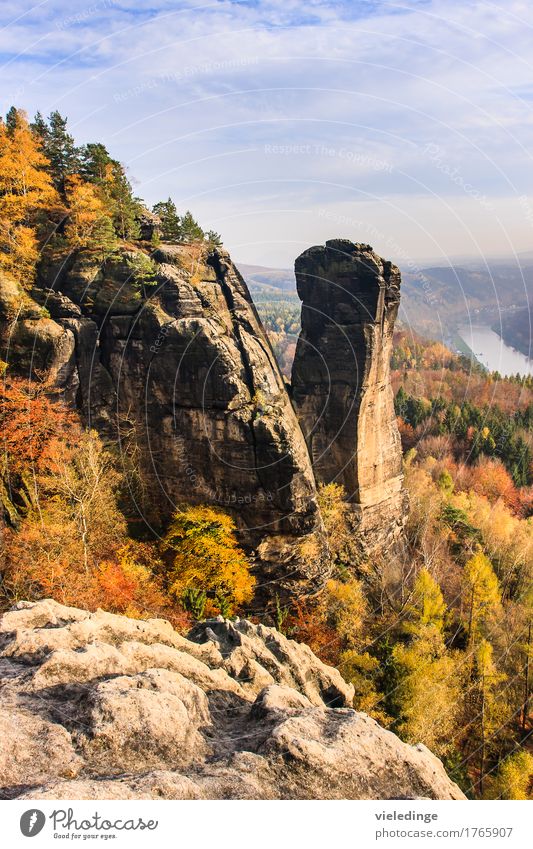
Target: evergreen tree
[(98, 167), (170, 220), (12, 118), (61, 151), (190, 229), (126, 208), (214, 238), (94, 162), (39, 127)]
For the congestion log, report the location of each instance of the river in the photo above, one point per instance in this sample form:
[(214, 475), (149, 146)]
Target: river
[(491, 351)]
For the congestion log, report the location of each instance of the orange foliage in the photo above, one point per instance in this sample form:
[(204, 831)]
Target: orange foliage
[(490, 478), (25, 189), (30, 420)]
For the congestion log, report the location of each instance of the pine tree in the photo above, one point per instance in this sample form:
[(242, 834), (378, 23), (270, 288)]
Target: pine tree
[(190, 229), (170, 220), (94, 162), (98, 167), (39, 127), (12, 118), (126, 208), (214, 238), (61, 151)]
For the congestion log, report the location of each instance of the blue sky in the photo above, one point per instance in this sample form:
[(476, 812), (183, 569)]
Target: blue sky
[(282, 123)]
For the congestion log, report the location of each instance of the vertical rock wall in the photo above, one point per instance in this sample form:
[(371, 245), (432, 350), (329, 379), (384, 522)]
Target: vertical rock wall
[(341, 381), (183, 370)]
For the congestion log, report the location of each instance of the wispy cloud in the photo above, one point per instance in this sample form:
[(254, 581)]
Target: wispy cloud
[(269, 118)]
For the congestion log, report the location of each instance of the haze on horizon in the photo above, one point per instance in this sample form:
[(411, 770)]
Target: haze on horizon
[(281, 124)]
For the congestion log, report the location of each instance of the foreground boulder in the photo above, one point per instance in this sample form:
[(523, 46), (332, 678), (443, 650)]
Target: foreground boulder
[(99, 706)]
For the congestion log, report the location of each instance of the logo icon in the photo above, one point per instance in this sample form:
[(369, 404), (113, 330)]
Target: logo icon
[(32, 822)]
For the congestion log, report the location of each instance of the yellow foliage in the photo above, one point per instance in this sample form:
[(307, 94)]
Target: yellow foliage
[(334, 510), (346, 609), (428, 606), (206, 556), (25, 188), (481, 593), (429, 692), (86, 208), (513, 778)]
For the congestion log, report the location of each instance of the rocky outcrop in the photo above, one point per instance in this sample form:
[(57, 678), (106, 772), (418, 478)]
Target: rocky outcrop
[(341, 382), (169, 354), (99, 706)]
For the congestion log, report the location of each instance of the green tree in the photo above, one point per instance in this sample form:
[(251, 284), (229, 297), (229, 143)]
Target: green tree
[(61, 150), (94, 162), (214, 238), (170, 220), (126, 208), (190, 229)]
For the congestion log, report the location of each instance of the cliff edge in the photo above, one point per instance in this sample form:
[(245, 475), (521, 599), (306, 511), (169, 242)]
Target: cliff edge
[(100, 706)]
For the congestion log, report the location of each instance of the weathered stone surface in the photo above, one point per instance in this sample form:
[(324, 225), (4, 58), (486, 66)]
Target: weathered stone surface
[(341, 381), (183, 367), (237, 711), (32, 342)]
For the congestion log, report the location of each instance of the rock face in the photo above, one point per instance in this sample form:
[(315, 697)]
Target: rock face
[(341, 381), (98, 706), (177, 361)]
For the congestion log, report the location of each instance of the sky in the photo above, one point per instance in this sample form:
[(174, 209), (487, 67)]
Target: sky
[(281, 124)]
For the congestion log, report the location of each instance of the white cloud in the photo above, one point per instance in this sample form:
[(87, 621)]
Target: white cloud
[(191, 95)]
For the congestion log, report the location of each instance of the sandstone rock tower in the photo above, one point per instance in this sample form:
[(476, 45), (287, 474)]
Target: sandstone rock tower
[(341, 382), (185, 366)]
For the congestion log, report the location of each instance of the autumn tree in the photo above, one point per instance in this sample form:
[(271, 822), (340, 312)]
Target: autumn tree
[(427, 606), (485, 709), (428, 694), (26, 189), (334, 511), (205, 556), (513, 778), (89, 222), (481, 594)]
